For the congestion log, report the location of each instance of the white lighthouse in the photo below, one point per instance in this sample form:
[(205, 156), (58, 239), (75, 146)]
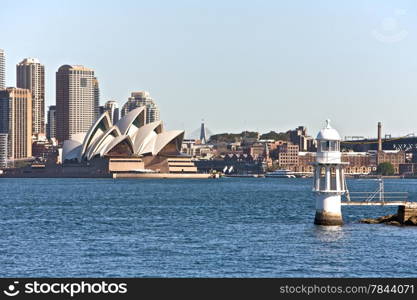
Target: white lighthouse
[(329, 178)]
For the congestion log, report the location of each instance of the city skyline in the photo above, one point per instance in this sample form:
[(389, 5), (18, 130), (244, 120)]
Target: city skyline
[(197, 57)]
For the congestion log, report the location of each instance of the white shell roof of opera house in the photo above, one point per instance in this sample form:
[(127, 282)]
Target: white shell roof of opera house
[(103, 136)]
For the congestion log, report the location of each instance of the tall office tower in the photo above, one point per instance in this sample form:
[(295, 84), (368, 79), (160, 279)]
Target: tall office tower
[(16, 121), (75, 107), (96, 97), (3, 150), (2, 70), (51, 126), (30, 74), (139, 99), (113, 108)]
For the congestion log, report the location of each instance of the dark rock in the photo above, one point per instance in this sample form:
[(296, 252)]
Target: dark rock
[(395, 223), (391, 220), (411, 221), (369, 221), (388, 218), (384, 219)]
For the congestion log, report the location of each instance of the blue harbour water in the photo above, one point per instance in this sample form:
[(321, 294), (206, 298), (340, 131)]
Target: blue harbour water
[(230, 227)]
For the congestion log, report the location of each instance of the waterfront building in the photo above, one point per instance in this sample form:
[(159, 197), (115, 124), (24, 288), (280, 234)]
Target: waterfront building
[(51, 125), (395, 157), (30, 74), (113, 108), (139, 99), (3, 150), (231, 163), (16, 121), (288, 155), (197, 150), (360, 163), (75, 101), (257, 151), (305, 162), (2, 70)]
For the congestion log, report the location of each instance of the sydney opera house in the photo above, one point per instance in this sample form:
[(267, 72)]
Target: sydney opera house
[(130, 146)]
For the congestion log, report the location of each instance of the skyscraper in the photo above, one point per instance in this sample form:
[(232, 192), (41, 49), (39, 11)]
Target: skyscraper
[(30, 74), (113, 108), (16, 121), (2, 70), (139, 99), (51, 126), (75, 106), (96, 97)]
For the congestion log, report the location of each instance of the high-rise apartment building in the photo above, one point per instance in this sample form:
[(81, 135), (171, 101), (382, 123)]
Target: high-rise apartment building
[(16, 121), (51, 125), (75, 102), (139, 99), (30, 74), (2, 70), (113, 108)]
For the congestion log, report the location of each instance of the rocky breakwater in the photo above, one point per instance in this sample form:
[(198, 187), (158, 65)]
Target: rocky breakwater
[(406, 215)]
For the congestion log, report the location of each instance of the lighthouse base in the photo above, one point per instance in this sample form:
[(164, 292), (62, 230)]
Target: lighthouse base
[(328, 218)]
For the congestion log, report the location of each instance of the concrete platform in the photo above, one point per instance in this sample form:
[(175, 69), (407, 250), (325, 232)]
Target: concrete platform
[(162, 175)]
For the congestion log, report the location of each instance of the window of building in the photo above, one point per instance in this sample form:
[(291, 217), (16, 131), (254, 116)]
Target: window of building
[(329, 146), (324, 146), (83, 82)]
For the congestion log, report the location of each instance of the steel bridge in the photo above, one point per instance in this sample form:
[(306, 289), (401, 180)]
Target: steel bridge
[(406, 143)]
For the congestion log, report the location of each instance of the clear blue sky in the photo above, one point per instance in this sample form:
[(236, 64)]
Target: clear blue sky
[(255, 65)]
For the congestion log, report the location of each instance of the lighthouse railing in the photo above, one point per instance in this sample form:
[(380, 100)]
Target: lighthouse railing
[(380, 194)]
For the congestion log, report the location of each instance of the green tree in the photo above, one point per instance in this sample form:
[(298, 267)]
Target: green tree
[(386, 169), (232, 137), (272, 135)]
